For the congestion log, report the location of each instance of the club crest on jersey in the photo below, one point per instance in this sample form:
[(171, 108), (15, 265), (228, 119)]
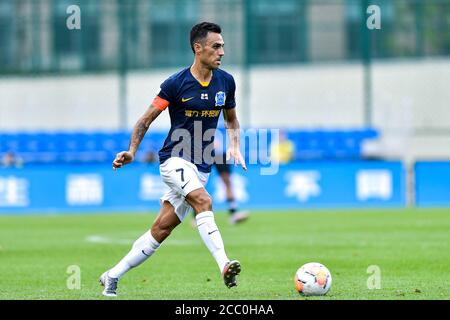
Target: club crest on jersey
[(220, 99)]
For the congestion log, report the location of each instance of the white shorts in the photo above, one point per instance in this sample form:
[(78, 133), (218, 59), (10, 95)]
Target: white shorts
[(182, 177)]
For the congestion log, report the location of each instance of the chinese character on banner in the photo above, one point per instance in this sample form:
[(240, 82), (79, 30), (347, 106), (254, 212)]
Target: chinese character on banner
[(303, 185), (14, 192), (152, 187), (84, 189), (374, 184), (239, 186)]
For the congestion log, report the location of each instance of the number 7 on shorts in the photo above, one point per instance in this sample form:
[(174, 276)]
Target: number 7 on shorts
[(182, 173)]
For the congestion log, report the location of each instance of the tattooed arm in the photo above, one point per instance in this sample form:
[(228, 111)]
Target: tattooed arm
[(139, 130)]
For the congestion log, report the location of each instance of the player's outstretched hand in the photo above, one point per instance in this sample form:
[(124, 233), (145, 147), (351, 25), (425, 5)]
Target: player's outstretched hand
[(238, 158), (122, 158)]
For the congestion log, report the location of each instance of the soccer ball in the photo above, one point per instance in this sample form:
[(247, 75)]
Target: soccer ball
[(313, 279)]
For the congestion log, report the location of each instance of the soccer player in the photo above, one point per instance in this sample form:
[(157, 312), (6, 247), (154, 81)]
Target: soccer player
[(195, 97)]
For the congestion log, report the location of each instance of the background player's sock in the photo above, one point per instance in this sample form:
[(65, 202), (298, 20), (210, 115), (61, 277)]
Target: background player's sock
[(142, 249), (232, 206), (211, 237)]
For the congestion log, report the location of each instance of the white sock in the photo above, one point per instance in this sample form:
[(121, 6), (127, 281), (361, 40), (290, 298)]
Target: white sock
[(211, 237), (142, 249)]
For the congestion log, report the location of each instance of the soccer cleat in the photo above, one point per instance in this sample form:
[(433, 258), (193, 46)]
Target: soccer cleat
[(110, 285), (230, 272), (239, 216)]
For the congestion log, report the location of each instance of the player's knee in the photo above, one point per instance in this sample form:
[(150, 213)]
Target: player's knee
[(164, 233), (160, 234), (161, 230), (203, 202)]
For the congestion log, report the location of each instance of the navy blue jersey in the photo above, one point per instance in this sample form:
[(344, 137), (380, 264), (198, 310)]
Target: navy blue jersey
[(221, 137), (194, 110)]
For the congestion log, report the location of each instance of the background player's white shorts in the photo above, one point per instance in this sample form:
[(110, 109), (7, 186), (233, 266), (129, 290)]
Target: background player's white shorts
[(182, 177)]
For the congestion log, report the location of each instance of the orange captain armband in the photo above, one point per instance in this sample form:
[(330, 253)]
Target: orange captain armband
[(160, 103)]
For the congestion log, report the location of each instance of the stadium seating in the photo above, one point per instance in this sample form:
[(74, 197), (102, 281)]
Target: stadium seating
[(100, 146)]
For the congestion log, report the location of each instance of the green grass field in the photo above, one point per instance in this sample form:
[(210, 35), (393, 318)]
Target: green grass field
[(411, 248)]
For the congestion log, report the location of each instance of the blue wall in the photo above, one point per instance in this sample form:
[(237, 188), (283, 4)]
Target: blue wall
[(432, 184), (89, 188)]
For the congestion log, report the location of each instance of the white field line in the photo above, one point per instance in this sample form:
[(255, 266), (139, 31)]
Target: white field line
[(95, 238)]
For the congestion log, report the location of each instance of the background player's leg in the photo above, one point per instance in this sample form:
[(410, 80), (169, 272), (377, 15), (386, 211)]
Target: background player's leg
[(201, 202), (149, 242), (226, 178), (236, 215)]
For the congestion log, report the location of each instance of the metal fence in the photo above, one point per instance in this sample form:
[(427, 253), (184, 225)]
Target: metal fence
[(143, 34)]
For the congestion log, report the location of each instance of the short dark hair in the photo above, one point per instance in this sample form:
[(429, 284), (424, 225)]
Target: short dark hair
[(200, 31)]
